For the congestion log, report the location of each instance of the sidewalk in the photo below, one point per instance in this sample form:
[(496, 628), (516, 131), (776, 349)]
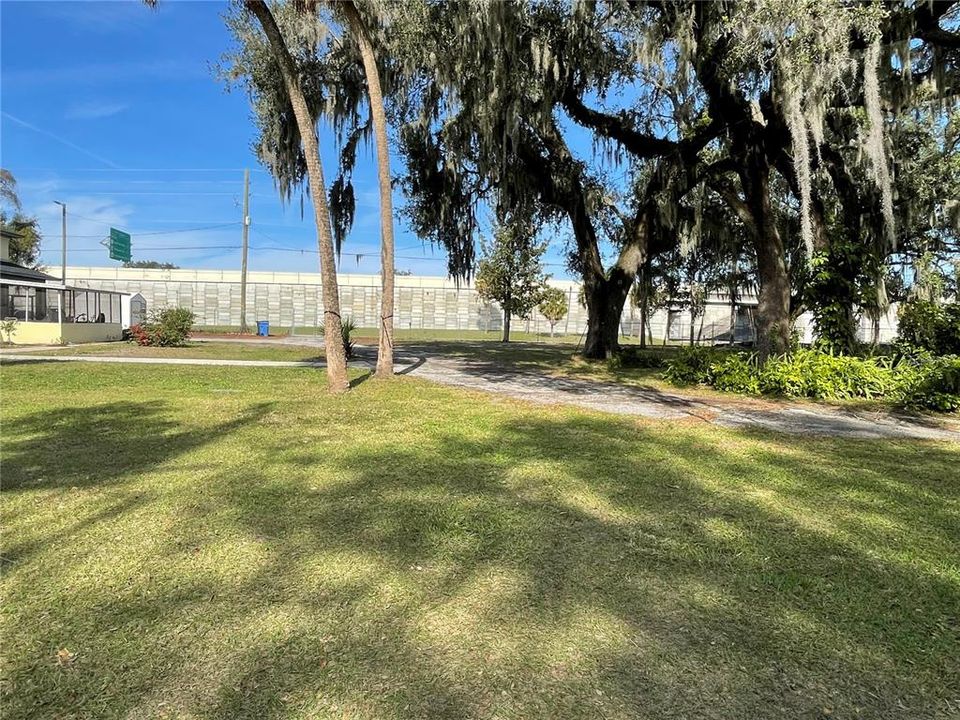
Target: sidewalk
[(536, 387)]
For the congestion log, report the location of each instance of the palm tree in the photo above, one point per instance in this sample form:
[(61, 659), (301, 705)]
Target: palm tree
[(379, 120), (336, 357)]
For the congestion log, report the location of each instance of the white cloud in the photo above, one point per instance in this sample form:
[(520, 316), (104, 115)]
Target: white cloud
[(97, 17), (95, 109)]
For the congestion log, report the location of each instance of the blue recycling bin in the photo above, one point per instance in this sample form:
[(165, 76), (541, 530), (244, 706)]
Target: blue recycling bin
[(263, 328)]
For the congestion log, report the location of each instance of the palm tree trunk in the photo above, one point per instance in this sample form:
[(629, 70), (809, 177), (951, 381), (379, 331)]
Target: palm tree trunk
[(334, 350), (379, 118)]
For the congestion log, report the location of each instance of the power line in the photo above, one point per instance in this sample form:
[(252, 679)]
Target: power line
[(165, 232), (164, 247), (146, 192)]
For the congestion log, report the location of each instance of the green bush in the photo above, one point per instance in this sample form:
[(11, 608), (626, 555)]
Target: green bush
[(736, 373), (932, 384), (930, 326), (919, 380), (809, 373), (164, 328), (691, 365), (634, 357)]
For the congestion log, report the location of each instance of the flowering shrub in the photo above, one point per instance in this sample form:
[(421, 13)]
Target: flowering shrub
[(139, 334), (166, 328)]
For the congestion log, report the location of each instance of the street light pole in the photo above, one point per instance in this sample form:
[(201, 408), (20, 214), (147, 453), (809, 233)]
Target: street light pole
[(243, 256), (63, 241)]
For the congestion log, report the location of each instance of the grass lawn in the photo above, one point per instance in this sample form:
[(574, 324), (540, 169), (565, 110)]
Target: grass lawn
[(368, 336), (210, 350), (233, 543)]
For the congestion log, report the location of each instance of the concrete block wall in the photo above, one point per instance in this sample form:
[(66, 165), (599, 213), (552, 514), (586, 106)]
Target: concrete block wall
[(294, 299)]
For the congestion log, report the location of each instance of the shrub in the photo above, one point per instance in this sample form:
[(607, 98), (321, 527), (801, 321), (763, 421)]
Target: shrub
[(139, 334), (809, 373), (634, 357), (933, 384), (736, 373), (949, 339), (930, 326), (347, 326), (164, 328), (691, 365), (918, 379), (8, 328)]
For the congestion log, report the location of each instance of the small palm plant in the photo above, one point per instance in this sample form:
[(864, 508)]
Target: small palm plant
[(8, 328), (347, 326)]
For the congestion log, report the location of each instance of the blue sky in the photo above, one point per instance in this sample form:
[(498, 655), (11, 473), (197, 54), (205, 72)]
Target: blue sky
[(114, 109)]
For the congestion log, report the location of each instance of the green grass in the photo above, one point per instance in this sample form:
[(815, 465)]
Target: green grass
[(233, 543), (403, 335), (208, 349)]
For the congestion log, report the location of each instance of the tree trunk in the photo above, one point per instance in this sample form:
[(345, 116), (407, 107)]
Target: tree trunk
[(506, 326), (733, 322), (333, 340), (643, 321), (379, 119), (733, 304), (773, 307), (604, 306)]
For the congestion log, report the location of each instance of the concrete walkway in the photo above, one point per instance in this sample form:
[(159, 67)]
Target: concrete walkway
[(793, 418), (537, 387), (37, 357)]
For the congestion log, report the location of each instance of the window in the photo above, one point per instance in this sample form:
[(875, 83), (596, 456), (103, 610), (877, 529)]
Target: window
[(92, 306), (6, 302)]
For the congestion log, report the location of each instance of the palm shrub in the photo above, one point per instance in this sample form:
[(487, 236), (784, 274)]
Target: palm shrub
[(347, 326)]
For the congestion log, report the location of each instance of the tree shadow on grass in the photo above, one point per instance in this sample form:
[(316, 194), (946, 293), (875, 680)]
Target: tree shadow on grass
[(554, 567), (102, 444), (642, 588)]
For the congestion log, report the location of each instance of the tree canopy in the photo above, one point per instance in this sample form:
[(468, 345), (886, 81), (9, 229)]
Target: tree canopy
[(808, 148)]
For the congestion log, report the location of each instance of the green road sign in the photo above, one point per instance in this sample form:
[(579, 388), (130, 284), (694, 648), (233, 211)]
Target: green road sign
[(119, 245)]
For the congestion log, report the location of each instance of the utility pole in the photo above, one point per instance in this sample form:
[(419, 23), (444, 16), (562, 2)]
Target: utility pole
[(63, 241), (243, 258)]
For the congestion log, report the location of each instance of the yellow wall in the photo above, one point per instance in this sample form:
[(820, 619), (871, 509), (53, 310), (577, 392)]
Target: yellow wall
[(37, 333)]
